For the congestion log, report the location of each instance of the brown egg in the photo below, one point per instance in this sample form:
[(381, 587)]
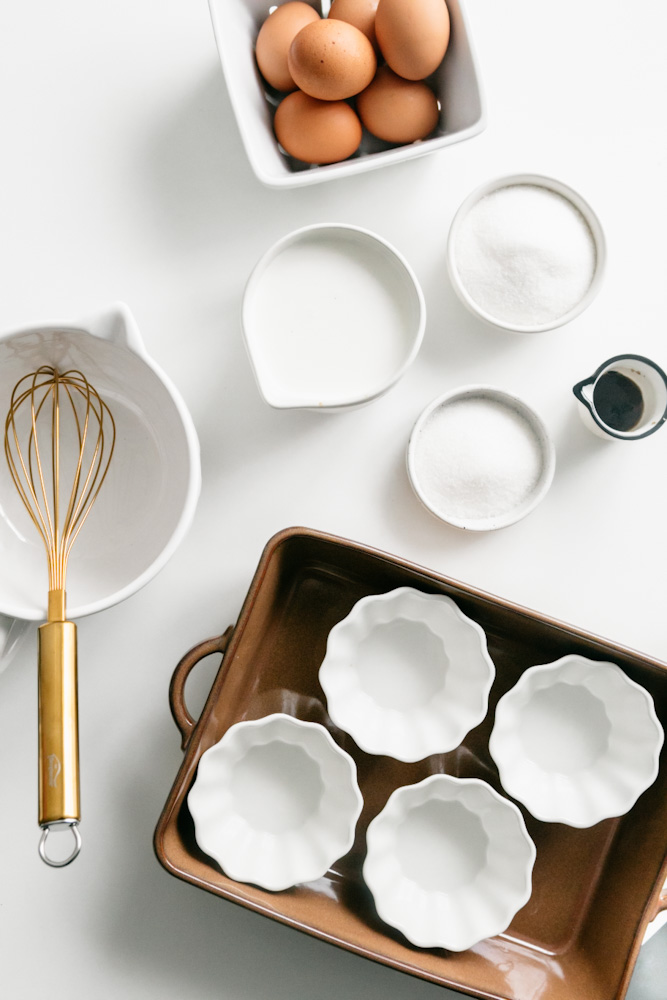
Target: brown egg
[(316, 131), (274, 39), (331, 60), (398, 110), (360, 13), (413, 35)]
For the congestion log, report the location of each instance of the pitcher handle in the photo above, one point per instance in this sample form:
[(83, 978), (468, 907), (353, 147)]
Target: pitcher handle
[(660, 904), (578, 391)]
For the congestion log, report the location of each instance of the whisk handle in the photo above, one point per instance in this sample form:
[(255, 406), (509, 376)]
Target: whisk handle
[(58, 731)]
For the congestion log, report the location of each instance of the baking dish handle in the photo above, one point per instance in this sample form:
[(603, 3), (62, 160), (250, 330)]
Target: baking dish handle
[(660, 903), (179, 710)]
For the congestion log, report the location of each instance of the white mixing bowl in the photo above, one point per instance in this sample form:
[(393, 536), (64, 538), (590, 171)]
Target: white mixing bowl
[(149, 497)]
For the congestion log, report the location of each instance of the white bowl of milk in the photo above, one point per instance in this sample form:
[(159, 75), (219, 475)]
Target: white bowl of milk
[(333, 316)]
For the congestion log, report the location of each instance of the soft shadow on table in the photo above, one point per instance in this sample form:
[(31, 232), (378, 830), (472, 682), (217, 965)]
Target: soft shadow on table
[(420, 526), (455, 339), (236, 426), (576, 446), (196, 166), (202, 189)]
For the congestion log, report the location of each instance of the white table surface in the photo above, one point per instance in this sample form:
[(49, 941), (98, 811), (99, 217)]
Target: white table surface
[(123, 177)]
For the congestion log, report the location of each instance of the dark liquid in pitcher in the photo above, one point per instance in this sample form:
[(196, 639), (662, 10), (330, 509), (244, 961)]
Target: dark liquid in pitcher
[(618, 401)]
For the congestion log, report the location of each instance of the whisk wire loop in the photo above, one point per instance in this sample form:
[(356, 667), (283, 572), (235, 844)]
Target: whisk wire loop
[(24, 483), (58, 518), (82, 497)]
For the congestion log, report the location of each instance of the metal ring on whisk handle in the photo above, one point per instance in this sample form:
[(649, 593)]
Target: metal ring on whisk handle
[(46, 830)]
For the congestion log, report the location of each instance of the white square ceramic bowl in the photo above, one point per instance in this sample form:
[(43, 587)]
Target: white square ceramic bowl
[(456, 82)]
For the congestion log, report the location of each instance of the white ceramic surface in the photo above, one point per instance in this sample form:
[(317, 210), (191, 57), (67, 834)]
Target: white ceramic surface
[(236, 24), (651, 381), (150, 494), (275, 801), (406, 674), (472, 482), (449, 862), (551, 184), (576, 741), (333, 316)]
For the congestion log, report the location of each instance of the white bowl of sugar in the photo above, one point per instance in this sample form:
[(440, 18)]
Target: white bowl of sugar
[(526, 253), (480, 458)]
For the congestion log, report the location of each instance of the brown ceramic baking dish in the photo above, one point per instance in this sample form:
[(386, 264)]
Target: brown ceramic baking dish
[(594, 890)]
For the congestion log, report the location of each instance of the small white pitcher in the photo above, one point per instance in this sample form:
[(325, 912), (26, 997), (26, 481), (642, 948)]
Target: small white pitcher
[(625, 383)]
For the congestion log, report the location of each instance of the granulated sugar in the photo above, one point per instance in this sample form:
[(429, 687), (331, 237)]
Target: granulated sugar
[(525, 255), (476, 459)]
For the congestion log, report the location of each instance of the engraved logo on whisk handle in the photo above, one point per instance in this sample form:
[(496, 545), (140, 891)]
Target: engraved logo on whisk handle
[(53, 769)]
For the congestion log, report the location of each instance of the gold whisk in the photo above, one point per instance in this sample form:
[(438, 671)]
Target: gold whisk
[(59, 439)]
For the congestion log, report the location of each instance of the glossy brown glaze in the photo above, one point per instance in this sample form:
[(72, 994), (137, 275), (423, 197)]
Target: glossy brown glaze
[(594, 890)]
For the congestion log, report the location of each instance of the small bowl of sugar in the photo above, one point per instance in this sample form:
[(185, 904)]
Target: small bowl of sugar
[(480, 458), (526, 253)]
